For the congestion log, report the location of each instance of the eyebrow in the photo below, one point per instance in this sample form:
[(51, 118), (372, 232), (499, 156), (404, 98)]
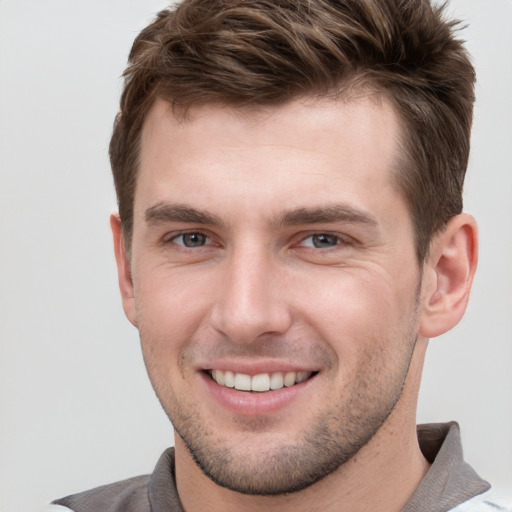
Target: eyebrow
[(326, 214), (163, 212), (168, 212)]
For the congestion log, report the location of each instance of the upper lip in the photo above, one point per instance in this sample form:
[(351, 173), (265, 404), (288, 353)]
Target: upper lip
[(258, 367)]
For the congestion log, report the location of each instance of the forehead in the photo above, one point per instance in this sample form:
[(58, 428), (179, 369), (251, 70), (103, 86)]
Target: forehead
[(308, 150), (304, 116)]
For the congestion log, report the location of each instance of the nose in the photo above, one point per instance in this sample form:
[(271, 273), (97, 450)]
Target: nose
[(252, 298)]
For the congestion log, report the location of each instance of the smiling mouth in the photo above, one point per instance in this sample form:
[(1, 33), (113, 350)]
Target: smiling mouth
[(260, 383)]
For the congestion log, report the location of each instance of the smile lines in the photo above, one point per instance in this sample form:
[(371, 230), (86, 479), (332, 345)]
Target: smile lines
[(261, 382)]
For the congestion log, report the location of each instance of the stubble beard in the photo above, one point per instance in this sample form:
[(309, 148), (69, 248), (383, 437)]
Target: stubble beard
[(331, 441), (291, 467)]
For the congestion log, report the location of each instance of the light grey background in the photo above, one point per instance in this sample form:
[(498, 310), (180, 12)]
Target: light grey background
[(76, 408)]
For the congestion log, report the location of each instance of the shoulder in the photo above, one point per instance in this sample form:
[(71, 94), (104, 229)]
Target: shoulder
[(126, 495), (490, 501), (132, 495)]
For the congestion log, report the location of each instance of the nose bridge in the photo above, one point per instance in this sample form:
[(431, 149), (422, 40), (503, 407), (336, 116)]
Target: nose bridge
[(249, 303)]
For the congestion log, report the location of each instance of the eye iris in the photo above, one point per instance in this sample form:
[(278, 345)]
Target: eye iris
[(193, 239), (324, 240)]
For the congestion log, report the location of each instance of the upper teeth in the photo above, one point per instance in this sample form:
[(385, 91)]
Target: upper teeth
[(260, 382)]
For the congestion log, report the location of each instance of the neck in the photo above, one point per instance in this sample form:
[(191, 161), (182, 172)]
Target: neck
[(382, 476)]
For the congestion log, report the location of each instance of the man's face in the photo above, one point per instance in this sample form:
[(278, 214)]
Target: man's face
[(272, 250)]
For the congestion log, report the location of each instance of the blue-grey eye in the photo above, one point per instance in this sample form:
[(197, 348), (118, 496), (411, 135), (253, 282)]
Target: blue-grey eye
[(191, 239), (321, 241)]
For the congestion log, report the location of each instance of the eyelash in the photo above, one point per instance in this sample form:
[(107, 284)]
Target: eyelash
[(341, 240), (173, 238)]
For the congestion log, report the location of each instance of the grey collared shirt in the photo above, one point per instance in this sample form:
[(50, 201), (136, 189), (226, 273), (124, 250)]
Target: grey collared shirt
[(449, 485)]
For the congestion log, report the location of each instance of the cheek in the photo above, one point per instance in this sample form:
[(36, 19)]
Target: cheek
[(356, 310), (171, 308), (173, 300)]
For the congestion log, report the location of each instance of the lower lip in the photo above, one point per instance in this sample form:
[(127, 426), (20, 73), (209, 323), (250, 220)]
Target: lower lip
[(254, 403)]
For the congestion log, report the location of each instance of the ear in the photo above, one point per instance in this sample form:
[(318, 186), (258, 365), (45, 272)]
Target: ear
[(448, 276), (123, 270)]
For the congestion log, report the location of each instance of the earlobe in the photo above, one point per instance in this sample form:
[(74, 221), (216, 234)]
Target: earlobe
[(448, 276), (123, 270)]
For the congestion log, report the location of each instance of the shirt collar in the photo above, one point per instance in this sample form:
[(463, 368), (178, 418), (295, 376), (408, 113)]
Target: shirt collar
[(449, 482)]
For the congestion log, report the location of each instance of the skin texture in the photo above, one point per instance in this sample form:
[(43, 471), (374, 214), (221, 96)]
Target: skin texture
[(277, 241)]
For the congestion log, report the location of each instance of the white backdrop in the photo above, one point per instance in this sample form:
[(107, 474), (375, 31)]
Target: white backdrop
[(76, 408)]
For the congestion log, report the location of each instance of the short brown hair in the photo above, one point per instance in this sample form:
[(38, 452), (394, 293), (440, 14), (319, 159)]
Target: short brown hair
[(266, 52)]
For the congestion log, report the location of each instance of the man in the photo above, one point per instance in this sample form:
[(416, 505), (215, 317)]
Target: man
[(290, 235)]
